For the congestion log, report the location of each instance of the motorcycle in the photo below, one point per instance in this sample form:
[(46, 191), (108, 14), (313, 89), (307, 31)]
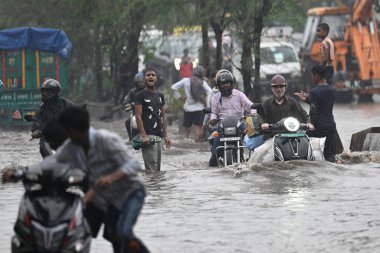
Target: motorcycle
[(231, 145), (50, 217), (130, 122), (291, 141)]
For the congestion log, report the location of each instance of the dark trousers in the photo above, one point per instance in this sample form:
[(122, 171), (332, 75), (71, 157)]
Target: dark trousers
[(214, 158), (96, 218), (43, 148), (330, 150), (329, 73)]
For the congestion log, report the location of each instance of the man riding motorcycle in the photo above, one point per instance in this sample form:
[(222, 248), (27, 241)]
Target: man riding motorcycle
[(129, 101), (228, 102), (281, 106), (53, 104)]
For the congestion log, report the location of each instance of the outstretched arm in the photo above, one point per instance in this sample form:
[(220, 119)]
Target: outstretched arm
[(303, 96)]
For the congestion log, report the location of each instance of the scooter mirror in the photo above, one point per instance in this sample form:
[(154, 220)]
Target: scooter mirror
[(30, 118)]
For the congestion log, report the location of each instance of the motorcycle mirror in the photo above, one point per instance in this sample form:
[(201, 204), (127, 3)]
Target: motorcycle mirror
[(29, 118)]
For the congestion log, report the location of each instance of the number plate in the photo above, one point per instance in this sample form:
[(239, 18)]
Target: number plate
[(292, 135), (230, 139)]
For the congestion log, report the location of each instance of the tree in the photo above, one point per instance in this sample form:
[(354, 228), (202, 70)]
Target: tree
[(102, 30), (219, 20)]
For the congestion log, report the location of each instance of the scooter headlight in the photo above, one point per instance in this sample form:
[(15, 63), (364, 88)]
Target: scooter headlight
[(230, 131), (291, 124)]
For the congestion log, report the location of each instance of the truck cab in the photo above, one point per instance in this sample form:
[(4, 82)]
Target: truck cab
[(354, 32), (337, 18), (29, 56)]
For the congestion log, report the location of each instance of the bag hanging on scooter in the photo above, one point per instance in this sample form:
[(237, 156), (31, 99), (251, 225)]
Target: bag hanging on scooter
[(251, 124)]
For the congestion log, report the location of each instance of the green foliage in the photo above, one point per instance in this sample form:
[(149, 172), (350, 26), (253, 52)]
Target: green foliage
[(102, 30)]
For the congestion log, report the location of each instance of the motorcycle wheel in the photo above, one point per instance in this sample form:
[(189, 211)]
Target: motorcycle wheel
[(230, 156)]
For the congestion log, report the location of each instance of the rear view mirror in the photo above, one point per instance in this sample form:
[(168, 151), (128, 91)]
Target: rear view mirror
[(29, 118)]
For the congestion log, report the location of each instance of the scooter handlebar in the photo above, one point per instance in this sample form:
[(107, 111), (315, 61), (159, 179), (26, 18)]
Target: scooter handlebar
[(12, 175), (128, 107)]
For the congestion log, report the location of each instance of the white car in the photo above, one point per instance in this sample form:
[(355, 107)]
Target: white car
[(277, 57)]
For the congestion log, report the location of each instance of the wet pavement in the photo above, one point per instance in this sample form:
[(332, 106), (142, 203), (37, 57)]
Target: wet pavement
[(294, 206)]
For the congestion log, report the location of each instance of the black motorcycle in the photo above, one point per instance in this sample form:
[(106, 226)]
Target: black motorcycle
[(291, 141), (50, 217), (231, 146)]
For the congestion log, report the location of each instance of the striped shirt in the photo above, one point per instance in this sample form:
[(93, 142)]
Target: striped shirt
[(107, 153)]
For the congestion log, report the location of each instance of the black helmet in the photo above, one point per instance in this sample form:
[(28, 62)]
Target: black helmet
[(50, 88), (222, 77)]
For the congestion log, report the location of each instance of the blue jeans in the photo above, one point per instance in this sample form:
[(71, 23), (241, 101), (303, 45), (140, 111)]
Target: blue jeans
[(129, 213), (123, 221)]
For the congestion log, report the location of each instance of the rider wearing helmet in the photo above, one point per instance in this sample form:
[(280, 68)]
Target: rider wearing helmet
[(227, 102), (129, 101), (281, 106), (50, 90), (225, 81), (53, 104), (139, 85)]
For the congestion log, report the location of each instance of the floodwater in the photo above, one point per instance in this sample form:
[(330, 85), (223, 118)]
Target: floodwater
[(275, 207)]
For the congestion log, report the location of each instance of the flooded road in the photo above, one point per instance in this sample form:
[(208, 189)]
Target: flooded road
[(278, 207)]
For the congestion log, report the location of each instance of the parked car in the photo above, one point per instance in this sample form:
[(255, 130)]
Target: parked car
[(278, 56)]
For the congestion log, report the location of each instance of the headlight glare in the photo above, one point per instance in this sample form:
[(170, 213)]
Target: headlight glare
[(291, 124)]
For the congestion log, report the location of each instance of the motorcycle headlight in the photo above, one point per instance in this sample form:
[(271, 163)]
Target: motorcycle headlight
[(291, 124), (177, 63), (230, 131)]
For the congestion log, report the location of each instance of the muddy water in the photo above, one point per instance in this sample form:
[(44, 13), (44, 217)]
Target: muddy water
[(274, 207)]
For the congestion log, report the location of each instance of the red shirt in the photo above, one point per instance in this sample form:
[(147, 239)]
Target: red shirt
[(185, 69)]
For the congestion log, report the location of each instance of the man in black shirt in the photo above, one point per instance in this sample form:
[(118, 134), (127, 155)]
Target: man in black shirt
[(53, 104), (151, 121), (281, 106), (322, 97)]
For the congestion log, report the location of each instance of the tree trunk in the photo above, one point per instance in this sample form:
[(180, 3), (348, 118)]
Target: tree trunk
[(247, 64), (263, 10), (205, 52), (98, 66), (256, 96), (218, 30), (133, 46)]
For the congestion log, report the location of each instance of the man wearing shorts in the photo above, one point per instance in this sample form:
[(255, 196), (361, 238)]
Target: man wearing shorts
[(196, 92)]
